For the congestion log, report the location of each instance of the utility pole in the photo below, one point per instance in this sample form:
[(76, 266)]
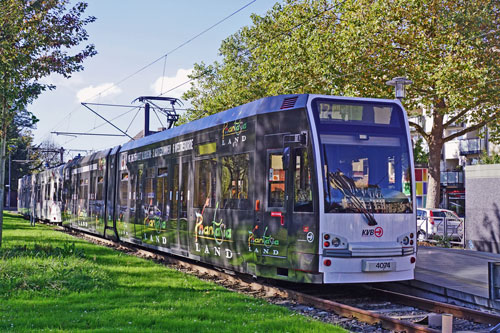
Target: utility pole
[(61, 154), (8, 191)]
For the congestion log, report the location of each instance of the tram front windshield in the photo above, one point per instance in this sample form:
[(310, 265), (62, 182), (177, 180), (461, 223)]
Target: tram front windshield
[(366, 158)]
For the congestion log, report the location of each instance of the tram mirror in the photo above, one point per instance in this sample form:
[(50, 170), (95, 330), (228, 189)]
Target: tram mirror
[(286, 158)]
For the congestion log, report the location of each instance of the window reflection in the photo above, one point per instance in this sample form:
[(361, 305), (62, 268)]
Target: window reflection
[(367, 175)]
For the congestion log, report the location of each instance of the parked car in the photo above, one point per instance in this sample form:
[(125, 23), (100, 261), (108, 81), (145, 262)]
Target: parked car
[(434, 221)]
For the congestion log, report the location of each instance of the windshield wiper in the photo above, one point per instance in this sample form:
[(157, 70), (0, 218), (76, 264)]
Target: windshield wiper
[(347, 186)]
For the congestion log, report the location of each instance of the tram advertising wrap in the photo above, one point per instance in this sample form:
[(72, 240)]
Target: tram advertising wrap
[(304, 188)]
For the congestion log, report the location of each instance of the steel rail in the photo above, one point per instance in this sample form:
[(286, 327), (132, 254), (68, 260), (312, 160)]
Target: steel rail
[(340, 309), (439, 307), (360, 314)]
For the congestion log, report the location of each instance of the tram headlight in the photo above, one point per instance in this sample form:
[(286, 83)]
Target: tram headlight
[(336, 242), (406, 240)]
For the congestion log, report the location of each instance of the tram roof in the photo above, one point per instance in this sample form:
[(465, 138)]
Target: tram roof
[(260, 106)]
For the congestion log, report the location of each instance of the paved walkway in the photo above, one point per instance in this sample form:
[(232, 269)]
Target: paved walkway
[(462, 270)]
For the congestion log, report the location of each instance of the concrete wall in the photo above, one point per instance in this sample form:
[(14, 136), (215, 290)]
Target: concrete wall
[(482, 207)]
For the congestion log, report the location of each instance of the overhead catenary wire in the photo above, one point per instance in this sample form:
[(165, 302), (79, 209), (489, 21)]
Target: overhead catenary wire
[(113, 119), (261, 44), (155, 61), (175, 49), (204, 31), (286, 32)]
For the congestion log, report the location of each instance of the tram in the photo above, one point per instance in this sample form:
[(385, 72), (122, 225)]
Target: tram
[(304, 188), (41, 195)]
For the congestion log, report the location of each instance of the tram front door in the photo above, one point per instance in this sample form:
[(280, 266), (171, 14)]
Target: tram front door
[(270, 238)]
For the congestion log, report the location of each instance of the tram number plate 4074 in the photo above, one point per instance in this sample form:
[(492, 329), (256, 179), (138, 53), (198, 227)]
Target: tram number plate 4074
[(379, 265)]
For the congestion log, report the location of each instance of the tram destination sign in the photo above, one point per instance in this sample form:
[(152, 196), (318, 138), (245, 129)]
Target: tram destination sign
[(331, 111), (161, 151)]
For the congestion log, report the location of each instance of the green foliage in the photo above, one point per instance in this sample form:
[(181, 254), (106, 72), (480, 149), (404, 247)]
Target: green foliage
[(36, 38), (443, 241), (19, 140), (491, 159), (353, 47), (448, 48), (419, 154)]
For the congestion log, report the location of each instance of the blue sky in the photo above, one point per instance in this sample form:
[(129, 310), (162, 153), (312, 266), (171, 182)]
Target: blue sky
[(128, 35)]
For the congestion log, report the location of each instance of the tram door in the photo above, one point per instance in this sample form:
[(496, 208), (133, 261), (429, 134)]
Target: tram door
[(273, 235), (139, 197), (180, 193), (302, 226), (184, 194)]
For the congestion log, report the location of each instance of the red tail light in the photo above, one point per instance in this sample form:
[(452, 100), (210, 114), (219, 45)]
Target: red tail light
[(431, 220)]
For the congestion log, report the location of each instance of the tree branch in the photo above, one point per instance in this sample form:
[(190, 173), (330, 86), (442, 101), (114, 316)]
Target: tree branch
[(472, 128), (455, 118), (419, 130)]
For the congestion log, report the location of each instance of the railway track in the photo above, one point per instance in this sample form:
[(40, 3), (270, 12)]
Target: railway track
[(357, 308)]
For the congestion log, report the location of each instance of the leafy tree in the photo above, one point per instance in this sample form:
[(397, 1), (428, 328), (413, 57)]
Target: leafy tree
[(19, 140), (35, 39), (419, 154), (450, 49), (492, 159), (47, 155)]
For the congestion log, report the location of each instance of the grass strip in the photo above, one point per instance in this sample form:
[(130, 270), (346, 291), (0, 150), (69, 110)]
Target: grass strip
[(50, 281)]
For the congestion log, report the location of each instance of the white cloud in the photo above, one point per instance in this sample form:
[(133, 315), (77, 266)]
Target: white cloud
[(166, 83), (90, 93), (61, 82)]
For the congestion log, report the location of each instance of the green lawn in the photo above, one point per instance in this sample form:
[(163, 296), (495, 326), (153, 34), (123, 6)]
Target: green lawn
[(50, 281)]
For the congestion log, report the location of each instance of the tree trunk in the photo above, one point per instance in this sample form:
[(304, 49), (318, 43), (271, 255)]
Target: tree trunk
[(435, 148)]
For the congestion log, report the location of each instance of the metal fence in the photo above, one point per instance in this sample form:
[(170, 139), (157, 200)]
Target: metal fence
[(444, 230)]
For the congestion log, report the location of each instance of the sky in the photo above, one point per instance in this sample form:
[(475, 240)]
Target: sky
[(129, 35)]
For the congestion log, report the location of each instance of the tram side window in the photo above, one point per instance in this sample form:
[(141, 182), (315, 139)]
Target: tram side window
[(124, 189), (84, 189), (205, 183), (150, 192), (92, 187), (184, 191), (47, 191), (162, 192), (276, 178), (234, 182), (302, 181), (100, 184), (55, 192), (60, 190)]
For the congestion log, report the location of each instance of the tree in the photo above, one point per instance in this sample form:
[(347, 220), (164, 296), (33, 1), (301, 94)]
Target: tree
[(19, 140), (491, 159), (47, 155), (35, 39), (420, 156), (450, 49)]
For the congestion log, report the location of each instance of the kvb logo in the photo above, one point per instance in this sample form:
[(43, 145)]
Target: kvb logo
[(377, 232)]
